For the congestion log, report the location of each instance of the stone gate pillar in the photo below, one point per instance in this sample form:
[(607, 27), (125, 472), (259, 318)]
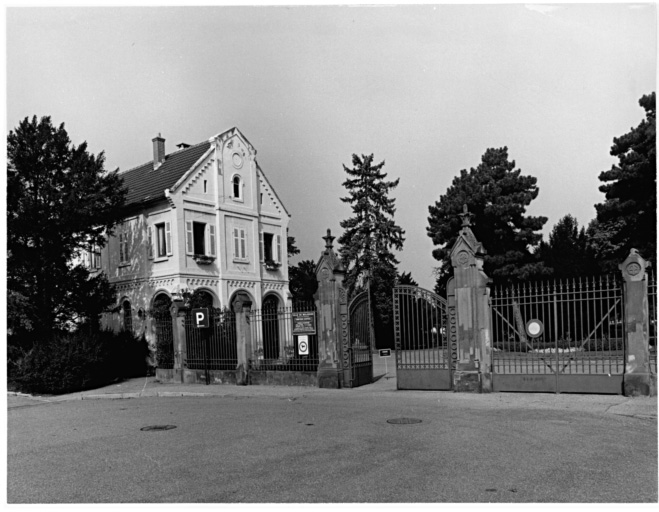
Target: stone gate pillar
[(332, 308), (638, 378), (242, 308), (178, 311), (469, 310)]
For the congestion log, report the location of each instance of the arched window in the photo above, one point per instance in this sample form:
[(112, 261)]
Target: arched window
[(128, 316), (237, 187)]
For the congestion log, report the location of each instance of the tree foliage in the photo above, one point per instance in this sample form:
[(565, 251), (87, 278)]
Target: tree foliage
[(303, 283), (370, 235), (406, 279), (497, 195), (627, 217), (567, 253), (60, 201)]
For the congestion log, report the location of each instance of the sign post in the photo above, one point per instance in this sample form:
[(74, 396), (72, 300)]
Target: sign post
[(386, 354), (304, 324), (201, 321)]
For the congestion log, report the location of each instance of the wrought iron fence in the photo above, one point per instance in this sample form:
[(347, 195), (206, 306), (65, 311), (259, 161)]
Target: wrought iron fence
[(582, 327), (273, 342), (215, 347), (652, 303), (164, 340)]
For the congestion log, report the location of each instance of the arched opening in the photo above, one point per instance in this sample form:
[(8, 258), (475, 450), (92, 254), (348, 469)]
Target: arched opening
[(270, 327), (128, 316), (201, 299)]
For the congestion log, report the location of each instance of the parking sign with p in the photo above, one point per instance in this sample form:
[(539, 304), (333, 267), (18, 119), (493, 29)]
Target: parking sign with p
[(200, 317)]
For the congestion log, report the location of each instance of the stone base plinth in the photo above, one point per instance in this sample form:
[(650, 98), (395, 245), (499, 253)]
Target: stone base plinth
[(467, 382), (329, 377), (640, 384)]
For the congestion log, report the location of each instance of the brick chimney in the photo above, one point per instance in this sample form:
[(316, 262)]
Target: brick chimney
[(158, 151)]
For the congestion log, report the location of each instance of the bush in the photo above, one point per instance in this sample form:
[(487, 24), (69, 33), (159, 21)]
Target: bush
[(77, 361)]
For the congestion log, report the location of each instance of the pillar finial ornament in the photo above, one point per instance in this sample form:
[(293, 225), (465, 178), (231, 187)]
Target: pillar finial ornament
[(329, 239), (466, 216)]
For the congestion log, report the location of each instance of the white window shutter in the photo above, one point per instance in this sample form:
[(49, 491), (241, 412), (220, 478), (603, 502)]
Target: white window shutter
[(243, 250), (278, 260), (121, 248), (189, 240), (86, 259), (236, 243), (210, 247), (150, 248), (261, 250), (168, 238)]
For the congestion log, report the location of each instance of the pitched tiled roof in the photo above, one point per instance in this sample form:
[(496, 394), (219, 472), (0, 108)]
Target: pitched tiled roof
[(146, 184)]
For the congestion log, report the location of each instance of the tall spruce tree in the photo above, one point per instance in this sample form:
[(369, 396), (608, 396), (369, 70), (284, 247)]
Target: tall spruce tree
[(497, 195), (627, 218), (369, 237), (60, 201)]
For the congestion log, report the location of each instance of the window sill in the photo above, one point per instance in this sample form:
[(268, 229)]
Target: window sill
[(238, 199), (124, 264), (160, 259), (240, 260)]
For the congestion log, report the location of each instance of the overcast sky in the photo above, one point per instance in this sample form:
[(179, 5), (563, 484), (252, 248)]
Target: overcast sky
[(425, 88)]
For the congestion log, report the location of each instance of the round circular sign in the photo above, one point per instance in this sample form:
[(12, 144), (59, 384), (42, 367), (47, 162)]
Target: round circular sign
[(303, 346), (534, 328)]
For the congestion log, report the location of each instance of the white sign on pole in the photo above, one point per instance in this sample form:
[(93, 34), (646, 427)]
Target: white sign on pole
[(303, 345)]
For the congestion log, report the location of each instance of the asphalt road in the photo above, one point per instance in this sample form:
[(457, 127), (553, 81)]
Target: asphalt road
[(328, 446)]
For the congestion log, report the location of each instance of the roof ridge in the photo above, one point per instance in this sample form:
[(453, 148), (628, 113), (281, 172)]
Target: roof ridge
[(168, 154)]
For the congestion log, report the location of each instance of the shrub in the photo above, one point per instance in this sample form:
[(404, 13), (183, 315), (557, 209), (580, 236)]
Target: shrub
[(77, 361)]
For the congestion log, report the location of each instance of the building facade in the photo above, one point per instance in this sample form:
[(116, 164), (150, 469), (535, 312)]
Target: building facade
[(203, 217)]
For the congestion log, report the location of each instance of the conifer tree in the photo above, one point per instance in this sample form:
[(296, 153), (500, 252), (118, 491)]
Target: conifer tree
[(497, 195), (369, 237), (627, 218)]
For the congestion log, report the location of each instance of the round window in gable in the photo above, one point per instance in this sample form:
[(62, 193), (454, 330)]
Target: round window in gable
[(237, 160)]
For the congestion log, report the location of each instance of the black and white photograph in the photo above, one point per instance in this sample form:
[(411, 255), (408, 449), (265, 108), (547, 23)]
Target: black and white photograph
[(369, 254)]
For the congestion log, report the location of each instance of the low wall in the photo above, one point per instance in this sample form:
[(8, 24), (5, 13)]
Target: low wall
[(271, 378)]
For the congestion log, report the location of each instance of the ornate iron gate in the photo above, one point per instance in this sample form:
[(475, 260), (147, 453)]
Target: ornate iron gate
[(577, 344), (360, 358), (423, 359)]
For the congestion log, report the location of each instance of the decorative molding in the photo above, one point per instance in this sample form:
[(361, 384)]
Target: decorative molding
[(269, 286), (199, 203), (161, 283), (241, 284), (196, 282), (193, 179), (265, 186)]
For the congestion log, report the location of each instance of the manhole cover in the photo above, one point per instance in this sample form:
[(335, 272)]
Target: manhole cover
[(157, 427), (403, 421)]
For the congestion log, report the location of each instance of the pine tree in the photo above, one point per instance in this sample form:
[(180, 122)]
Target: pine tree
[(627, 218), (370, 235), (497, 195)]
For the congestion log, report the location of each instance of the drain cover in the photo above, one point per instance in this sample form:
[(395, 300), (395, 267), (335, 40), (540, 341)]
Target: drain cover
[(404, 421), (157, 427)]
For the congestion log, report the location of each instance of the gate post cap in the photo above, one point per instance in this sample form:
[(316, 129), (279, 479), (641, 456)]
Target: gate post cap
[(633, 268)]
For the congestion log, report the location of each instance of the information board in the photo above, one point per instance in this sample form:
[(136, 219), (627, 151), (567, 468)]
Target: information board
[(304, 322)]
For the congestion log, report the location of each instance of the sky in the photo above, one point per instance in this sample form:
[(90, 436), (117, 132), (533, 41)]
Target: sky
[(425, 88)]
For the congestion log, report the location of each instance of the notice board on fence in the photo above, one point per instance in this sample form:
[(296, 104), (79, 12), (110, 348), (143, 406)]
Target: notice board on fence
[(304, 322)]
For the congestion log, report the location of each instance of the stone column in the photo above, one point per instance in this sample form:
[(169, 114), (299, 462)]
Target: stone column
[(178, 311), (332, 308), (470, 297), (638, 378), (242, 309)]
